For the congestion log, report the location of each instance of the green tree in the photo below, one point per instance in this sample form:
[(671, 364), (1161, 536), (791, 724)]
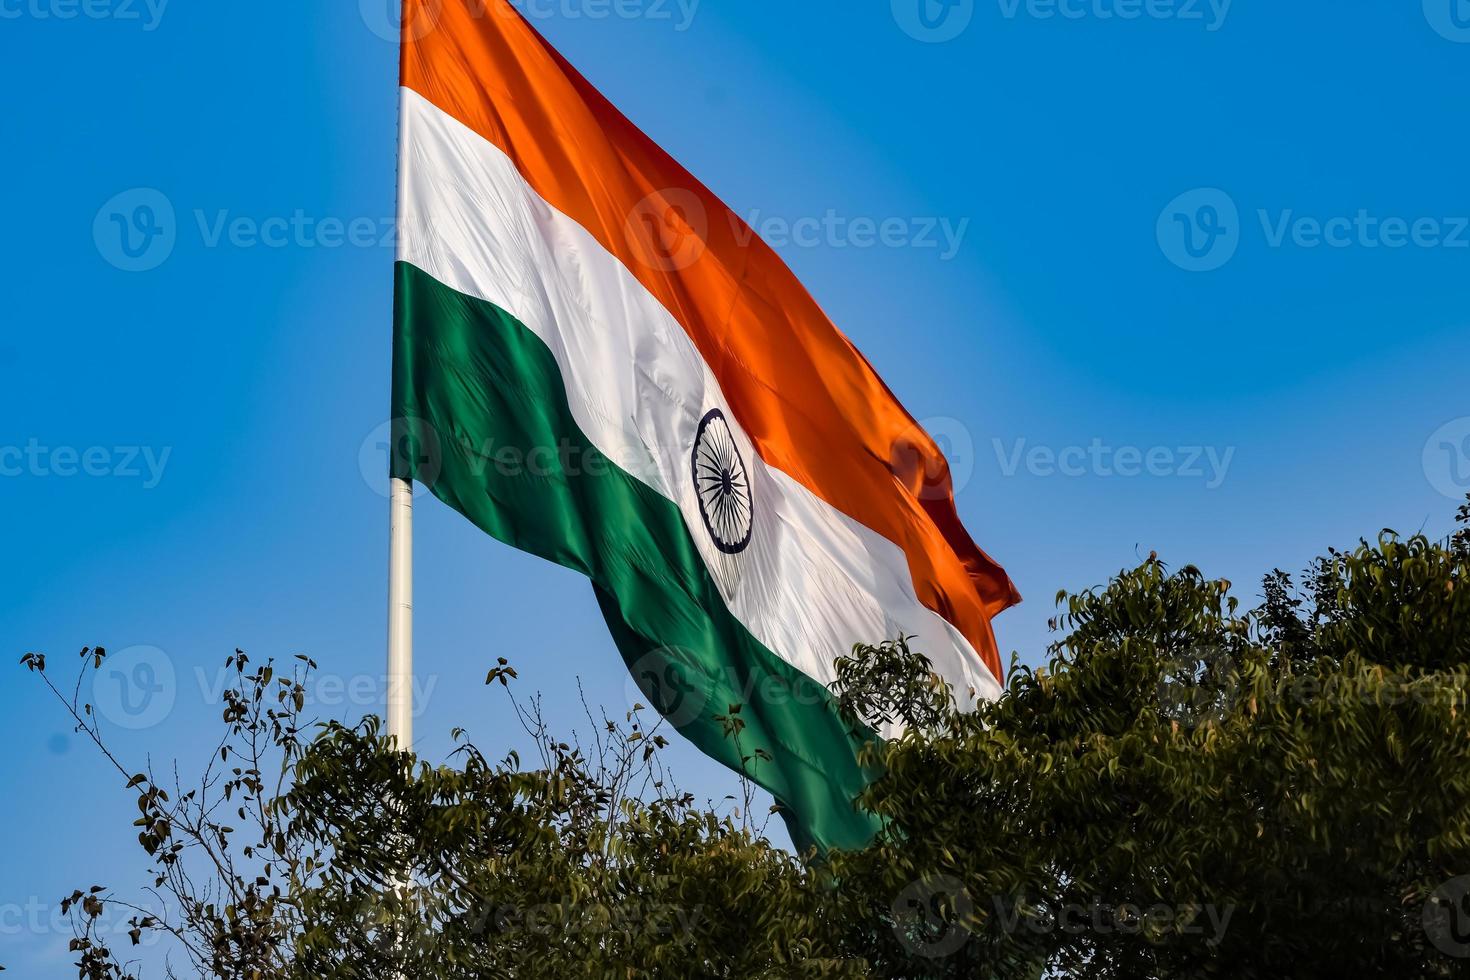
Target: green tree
[(315, 851), (1186, 790)]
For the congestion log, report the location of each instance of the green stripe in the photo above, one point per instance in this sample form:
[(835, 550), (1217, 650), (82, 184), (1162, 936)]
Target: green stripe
[(475, 381)]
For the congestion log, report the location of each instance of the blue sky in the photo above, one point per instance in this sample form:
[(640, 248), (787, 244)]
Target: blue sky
[(1163, 275)]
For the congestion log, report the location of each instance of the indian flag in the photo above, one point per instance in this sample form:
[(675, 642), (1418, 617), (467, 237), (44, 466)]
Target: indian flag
[(599, 363)]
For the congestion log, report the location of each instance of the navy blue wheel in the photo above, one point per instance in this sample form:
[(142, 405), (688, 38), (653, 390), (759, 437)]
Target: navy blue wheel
[(722, 484)]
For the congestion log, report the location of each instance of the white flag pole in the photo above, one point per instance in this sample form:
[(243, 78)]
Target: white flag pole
[(400, 542), (400, 613), (400, 635), (400, 572)]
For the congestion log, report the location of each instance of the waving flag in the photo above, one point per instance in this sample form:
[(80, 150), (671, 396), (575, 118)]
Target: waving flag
[(602, 365)]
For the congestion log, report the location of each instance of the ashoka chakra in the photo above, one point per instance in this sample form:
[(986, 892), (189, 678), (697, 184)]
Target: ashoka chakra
[(722, 484)]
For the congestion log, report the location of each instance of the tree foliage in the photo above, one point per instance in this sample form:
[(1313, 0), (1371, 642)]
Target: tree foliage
[(360, 861), (1186, 789)]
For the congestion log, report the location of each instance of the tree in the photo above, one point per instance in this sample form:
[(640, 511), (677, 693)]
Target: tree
[(1185, 790), (1191, 791), (360, 861)]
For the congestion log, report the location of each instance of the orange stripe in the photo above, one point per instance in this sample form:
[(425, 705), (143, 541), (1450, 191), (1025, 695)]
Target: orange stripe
[(811, 403)]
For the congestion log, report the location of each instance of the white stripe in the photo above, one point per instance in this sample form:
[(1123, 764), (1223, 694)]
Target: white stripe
[(812, 581)]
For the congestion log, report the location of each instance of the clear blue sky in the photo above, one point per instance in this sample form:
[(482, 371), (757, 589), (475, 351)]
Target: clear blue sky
[(180, 446)]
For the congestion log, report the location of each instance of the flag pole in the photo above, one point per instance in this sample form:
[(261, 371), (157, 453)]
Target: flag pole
[(400, 649), (400, 613), (400, 541), (400, 577)]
